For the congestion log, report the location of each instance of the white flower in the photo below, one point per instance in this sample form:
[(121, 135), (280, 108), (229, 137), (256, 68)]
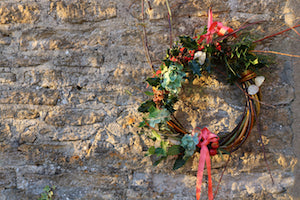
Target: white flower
[(259, 80), (253, 89), (200, 56)]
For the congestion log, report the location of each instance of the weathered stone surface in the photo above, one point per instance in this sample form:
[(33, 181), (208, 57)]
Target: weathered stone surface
[(26, 96), (79, 59), (19, 113), (29, 59), (80, 11), (19, 13), (5, 40), (7, 77), (284, 94), (72, 77), (73, 117), (29, 136), (7, 178), (51, 39)]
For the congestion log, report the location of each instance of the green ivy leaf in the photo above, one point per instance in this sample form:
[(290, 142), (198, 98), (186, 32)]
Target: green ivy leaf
[(144, 107), (153, 81), (174, 150), (142, 123), (179, 163), (155, 135), (164, 145), (172, 99), (148, 93), (157, 116), (160, 152), (151, 150), (158, 161), (172, 78), (195, 67)]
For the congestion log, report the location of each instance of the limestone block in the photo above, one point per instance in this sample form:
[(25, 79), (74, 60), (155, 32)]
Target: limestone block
[(7, 178), (49, 38), (83, 80), (72, 76), (19, 13), (27, 96), (5, 40), (30, 59), (284, 94), (43, 153), (73, 117), (19, 113), (5, 133), (80, 11), (29, 136), (81, 97), (7, 77), (76, 133), (79, 59)]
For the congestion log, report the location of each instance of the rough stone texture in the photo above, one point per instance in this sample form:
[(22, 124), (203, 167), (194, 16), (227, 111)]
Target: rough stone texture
[(71, 77)]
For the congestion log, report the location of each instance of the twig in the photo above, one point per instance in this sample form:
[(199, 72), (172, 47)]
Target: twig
[(277, 33), (234, 32), (275, 52), (216, 192), (170, 23), (291, 37), (246, 93), (145, 40), (263, 148), (295, 31), (150, 8)]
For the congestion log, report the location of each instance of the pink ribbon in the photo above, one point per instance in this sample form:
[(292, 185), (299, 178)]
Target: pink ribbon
[(214, 27), (205, 138)]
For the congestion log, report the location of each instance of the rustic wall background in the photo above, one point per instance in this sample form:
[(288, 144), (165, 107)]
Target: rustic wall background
[(71, 79)]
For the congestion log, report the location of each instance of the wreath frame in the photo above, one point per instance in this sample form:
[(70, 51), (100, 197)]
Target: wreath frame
[(186, 60)]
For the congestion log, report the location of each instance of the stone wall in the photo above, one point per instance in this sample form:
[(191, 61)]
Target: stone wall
[(71, 77)]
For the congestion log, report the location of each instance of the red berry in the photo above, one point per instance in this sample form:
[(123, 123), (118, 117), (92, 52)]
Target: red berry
[(213, 152), (182, 49), (214, 145)]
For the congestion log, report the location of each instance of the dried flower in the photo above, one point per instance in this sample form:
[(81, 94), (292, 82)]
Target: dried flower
[(200, 56)]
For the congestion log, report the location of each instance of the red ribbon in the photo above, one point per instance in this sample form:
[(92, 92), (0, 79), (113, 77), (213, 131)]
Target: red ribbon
[(205, 138)]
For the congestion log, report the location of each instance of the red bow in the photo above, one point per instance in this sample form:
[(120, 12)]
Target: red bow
[(214, 27), (205, 138)]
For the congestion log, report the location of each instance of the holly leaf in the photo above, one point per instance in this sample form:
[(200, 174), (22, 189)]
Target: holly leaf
[(188, 42), (153, 81), (254, 62), (195, 67), (144, 107)]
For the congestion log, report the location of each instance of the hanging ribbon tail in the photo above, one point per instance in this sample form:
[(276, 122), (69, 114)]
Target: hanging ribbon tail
[(208, 167), (203, 154), (204, 158), (205, 138)]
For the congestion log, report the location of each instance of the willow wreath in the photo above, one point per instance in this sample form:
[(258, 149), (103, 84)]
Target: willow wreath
[(217, 47)]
